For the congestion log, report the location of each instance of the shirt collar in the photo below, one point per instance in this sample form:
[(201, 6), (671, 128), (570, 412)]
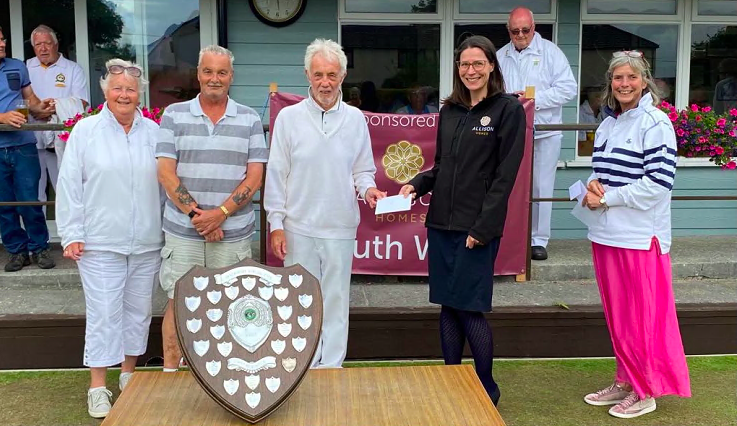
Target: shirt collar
[(109, 114), (313, 103), (60, 62), (533, 47), (645, 100), (231, 109)]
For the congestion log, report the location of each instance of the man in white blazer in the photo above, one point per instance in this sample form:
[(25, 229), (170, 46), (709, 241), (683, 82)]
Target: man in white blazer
[(530, 60)]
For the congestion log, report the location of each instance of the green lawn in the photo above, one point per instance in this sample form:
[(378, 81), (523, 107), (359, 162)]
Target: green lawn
[(534, 393)]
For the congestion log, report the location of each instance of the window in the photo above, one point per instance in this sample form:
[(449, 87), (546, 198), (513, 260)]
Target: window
[(395, 68), (391, 6), (497, 33), (633, 7), (5, 24), (717, 7), (713, 79), (57, 15), (658, 42), (501, 7), (163, 36)]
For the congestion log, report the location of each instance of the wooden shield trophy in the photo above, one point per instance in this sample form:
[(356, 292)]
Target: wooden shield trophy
[(248, 332)]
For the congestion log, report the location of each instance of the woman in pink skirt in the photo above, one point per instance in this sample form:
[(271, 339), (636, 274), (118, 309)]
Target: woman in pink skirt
[(634, 163)]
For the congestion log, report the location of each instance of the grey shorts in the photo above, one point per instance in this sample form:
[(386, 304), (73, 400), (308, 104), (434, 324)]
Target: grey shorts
[(179, 255)]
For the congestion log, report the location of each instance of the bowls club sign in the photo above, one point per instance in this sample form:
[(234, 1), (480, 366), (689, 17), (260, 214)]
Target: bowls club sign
[(249, 332)]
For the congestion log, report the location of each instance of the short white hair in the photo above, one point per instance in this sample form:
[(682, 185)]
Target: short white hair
[(330, 50), (104, 80), (216, 50), (44, 29)]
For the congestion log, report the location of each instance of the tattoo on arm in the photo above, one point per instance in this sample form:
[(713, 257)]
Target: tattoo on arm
[(241, 197), (183, 195)]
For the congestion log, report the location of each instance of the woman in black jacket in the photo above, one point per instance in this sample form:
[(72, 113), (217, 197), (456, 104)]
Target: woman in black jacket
[(480, 144)]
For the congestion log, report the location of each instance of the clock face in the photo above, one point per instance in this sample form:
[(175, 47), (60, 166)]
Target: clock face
[(277, 12)]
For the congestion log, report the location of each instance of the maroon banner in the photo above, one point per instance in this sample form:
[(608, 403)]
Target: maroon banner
[(396, 243)]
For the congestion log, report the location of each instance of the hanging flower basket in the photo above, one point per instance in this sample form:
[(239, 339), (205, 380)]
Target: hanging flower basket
[(700, 132)]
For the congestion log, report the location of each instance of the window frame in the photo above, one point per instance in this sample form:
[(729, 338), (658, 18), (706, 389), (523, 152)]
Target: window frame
[(696, 18), (684, 18), (208, 34), (494, 18), (681, 7), (447, 16)]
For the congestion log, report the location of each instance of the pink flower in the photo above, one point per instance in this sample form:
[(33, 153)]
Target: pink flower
[(680, 132), (733, 112), (689, 154), (698, 118), (684, 121), (732, 133), (719, 150), (711, 153), (64, 136), (698, 148), (694, 108), (731, 165), (706, 109), (721, 122), (673, 117)]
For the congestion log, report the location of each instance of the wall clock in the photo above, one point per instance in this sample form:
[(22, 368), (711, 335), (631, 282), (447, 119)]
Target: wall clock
[(277, 13)]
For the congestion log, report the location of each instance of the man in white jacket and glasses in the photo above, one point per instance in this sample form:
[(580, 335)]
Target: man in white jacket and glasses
[(320, 157), (530, 60)]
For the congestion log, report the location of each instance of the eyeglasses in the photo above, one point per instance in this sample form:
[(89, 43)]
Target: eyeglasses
[(477, 65), (630, 53), (119, 69), (524, 31)]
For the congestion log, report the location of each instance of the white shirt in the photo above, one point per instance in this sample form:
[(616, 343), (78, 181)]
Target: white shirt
[(317, 162), (62, 79), (108, 195), (586, 116), (635, 159), (543, 65)]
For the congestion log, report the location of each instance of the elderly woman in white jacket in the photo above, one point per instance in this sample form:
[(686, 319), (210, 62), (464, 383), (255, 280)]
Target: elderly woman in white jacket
[(109, 218)]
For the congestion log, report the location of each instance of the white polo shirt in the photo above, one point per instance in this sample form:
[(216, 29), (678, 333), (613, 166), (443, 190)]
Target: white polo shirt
[(62, 79)]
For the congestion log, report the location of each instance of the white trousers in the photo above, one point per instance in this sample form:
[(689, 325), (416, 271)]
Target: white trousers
[(49, 170), (330, 261), (547, 151), (117, 293)]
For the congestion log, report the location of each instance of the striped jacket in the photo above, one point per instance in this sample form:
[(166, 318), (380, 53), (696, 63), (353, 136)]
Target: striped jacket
[(635, 159)]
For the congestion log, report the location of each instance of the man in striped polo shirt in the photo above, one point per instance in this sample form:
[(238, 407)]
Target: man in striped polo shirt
[(211, 153)]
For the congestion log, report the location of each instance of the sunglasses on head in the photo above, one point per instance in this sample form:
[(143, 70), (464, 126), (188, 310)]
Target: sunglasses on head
[(119, 69), (630, 53), (524, 31)]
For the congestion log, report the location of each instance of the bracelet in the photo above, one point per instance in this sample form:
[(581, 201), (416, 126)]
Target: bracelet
[(225, 211)]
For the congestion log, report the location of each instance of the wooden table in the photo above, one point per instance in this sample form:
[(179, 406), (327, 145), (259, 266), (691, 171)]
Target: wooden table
[(391, 396)]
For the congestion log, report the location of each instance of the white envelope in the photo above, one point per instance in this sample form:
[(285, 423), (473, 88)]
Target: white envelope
[(396, 203), (587, 216)]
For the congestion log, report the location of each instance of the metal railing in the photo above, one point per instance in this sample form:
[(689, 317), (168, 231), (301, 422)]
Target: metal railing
[(538, 127)]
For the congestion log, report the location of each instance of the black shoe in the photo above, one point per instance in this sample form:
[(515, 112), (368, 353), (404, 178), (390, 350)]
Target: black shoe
[(539, 253), (495, 395), (43, 259), (17, 261)]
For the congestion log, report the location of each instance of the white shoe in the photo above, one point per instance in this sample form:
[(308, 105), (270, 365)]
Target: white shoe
[(632, 406), (123, 380), (98, 402)]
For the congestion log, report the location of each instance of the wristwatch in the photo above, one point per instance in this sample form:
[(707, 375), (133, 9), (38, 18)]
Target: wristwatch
[(602, 201), (192, 214)]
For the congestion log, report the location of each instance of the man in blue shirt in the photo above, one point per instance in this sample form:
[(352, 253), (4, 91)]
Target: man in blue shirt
[(20, 170)]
